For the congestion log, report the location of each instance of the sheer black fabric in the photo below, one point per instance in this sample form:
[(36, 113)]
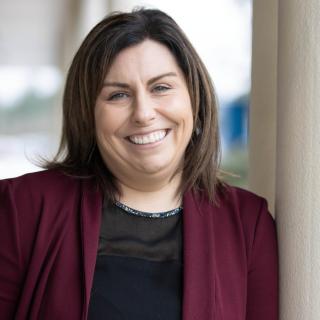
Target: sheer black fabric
[(138, 272)]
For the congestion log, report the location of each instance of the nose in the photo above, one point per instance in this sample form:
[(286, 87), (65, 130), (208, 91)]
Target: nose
[(143, 112)]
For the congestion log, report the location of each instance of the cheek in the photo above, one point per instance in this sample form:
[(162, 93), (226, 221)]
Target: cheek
[(189, 127), (187, 116), (179, 108), (107, 122), (184, 115)]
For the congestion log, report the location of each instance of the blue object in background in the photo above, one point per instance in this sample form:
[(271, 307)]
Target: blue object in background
[(234, 123)]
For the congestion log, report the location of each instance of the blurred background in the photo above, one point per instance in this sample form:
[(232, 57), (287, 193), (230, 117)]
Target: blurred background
[(39, 37)]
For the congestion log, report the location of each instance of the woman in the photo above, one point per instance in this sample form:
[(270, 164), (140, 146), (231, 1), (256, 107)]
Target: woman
[(131, 220)]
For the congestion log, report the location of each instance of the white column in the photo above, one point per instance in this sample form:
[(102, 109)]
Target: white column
[(263, 101), (121, 5), (127, 5), (80, 18), (298, 158), (92, 11)]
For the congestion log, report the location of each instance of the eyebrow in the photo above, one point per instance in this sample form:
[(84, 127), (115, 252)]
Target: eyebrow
[(150, 81)]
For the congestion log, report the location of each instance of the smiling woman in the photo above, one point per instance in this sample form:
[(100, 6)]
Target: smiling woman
[(144, 122), (151, 45), (132, 219)]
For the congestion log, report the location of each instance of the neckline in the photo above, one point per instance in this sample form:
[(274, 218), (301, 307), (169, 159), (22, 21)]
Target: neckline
[(135, 212)]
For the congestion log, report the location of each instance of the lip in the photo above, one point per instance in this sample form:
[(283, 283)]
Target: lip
[(141, 133), (149, 145)]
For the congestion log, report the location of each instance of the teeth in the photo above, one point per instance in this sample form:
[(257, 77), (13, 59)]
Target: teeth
[(148, 138)]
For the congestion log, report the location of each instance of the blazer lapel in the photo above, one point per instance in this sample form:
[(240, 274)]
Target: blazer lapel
[(199, 259), (91, 206)]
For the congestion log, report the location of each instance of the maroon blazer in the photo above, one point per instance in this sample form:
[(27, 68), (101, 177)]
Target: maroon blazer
[(49, 230)]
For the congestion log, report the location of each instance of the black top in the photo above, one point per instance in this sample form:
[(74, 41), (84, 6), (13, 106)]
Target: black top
[(138, 273)]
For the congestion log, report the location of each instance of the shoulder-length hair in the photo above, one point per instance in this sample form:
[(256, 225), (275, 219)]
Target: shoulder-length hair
[(78, 153)]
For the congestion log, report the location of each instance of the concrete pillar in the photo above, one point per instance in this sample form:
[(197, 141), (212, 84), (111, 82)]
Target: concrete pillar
[(298, 159), (124, 5), (263, 101), (81, 16), (91, 12)]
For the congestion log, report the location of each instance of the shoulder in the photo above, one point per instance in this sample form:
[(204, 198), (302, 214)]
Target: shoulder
[(245, 208), (42, 183), (233, 204), (38, 199), (41, 179), (244, 216), (234, 208), (32, 191), (259, 231), (34, 208), (241, 199)]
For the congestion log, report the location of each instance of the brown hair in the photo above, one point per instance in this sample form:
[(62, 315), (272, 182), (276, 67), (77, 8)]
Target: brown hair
[(78, 153)]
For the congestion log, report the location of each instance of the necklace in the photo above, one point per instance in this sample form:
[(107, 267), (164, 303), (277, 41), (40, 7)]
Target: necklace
[(148, 214)]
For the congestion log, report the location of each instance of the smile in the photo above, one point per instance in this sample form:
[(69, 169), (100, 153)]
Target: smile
[(148, 138)]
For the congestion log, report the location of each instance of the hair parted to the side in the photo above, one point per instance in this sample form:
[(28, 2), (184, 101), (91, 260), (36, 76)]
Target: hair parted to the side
[(78, 154)]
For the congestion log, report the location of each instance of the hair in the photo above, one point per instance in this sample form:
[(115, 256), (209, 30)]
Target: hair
[(78, 154)]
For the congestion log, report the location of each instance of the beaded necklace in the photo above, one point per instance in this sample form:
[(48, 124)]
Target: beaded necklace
[(148, 214)]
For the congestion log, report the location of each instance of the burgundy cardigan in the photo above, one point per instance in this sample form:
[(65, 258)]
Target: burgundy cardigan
[(49, 231)]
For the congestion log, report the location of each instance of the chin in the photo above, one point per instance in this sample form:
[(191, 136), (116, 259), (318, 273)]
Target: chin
[(156, 168), (152, 169)]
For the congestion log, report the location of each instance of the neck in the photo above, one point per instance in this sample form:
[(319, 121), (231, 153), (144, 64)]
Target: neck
[(159, 198)]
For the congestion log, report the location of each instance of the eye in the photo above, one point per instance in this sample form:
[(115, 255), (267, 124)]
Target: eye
[(160, 88), (118, 96)]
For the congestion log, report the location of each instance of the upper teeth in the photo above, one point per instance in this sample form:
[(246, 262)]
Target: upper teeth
[(148, 138)]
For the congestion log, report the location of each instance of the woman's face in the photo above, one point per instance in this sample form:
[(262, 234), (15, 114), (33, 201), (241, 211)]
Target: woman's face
[(143, 114)]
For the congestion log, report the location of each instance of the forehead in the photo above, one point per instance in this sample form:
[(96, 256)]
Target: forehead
[(146, 59)]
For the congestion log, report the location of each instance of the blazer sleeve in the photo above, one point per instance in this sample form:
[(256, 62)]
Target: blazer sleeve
[(10, 255), (262, 294)]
